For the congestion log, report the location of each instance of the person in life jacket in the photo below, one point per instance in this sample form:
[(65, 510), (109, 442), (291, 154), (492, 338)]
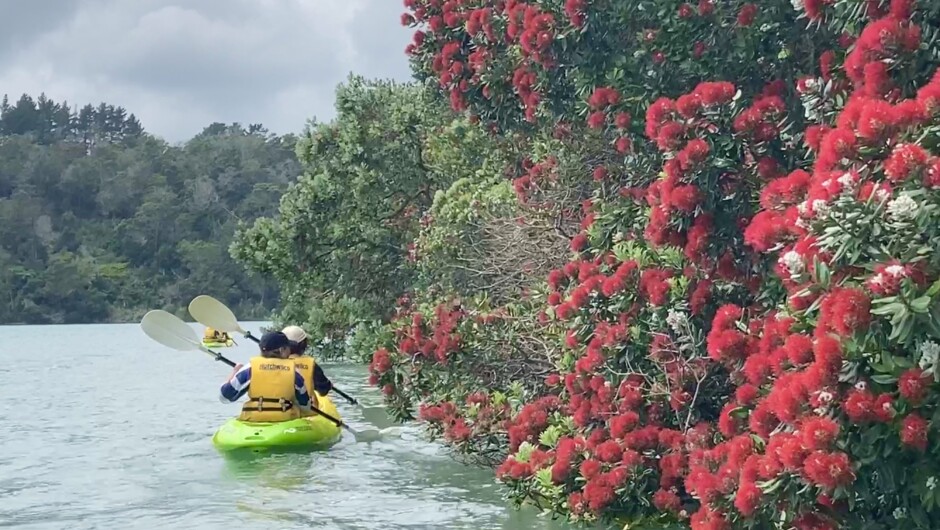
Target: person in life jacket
[(214, 335), (312, 372), (276, 389)]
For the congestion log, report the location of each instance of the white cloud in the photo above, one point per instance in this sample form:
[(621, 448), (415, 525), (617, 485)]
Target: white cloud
[(182, 65)]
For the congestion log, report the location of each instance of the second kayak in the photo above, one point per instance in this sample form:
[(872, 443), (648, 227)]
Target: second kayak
[(213, 344), (312, 432)]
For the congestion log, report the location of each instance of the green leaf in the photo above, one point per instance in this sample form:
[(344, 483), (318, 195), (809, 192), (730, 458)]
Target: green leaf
[(920, 305), (934, 289), (888, 309), (550, 436), (884, 379)]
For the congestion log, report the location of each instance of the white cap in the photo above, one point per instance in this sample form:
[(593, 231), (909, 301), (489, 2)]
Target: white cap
[(294, 333)]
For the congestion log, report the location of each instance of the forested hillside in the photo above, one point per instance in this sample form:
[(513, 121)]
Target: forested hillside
[(100, 221)]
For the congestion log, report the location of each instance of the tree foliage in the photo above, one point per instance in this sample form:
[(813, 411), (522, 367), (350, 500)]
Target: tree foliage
[(339, 244)]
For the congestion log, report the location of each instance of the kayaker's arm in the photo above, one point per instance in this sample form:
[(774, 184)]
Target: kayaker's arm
[(300, 391), (237, 384), (321, 383)]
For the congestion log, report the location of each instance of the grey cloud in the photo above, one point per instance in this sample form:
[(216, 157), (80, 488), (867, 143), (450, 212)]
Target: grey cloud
[(181, 65), (25, 20)]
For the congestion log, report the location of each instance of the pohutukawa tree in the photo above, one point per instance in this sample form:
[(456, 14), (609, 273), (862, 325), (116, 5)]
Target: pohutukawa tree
[(745, 333)]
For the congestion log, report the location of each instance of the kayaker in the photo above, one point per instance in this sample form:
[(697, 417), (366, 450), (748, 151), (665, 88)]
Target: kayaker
[(214, 335), (313, 374), (276, 389)]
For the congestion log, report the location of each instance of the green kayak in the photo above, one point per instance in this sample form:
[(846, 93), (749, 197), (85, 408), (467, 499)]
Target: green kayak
[(213, 344), (312, 432)]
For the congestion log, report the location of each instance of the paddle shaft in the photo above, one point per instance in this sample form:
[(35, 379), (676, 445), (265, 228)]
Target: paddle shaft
[(346, 396), (220, 357)]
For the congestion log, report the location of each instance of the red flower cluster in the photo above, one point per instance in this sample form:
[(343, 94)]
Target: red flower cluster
[(536, 175), (444, 339)]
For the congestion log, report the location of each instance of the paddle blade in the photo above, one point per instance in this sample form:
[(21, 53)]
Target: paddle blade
[(214, 314), (373, 435), (169, 330), (377, 416)]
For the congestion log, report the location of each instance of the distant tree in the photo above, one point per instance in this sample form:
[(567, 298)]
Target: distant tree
[(22, 118)]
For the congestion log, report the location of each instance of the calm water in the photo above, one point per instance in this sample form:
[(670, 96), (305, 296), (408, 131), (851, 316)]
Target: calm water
[(109, 429)]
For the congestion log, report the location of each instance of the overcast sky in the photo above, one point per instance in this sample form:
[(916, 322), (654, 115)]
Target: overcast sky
[(181, 65)]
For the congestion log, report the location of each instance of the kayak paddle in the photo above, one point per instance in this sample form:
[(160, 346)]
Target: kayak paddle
[(170, 331), (214, 314)]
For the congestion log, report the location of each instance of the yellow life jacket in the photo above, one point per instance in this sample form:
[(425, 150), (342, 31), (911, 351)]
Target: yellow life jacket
[(305, 365), (271, 391)]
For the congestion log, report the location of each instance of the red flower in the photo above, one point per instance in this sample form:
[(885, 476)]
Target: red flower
[(579, 242), (799, 349), (884, 408), (667, 500), (599, 493), (576, 503), (859, 406), (932, 177), (829, 470), (819, 433), (906, 161), (590, 468), (700, 296), (788, 449), (693, 154), (624, 423), (685, 198), (747, 15), (654, 283), (767, 168), (914, 432), (901, 9), (670, 136), (381, 361), (913, 385), (604, 96), (623, 144), (766, 230), (746, 394), (747, 500), (845, 311), (813, 520), (609, 452), (728, 425), (876, 121), (707, 518), (622, 120), (600, 173), (597, 119)]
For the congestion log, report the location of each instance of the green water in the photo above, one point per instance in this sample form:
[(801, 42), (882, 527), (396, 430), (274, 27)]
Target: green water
[(103, 428)]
